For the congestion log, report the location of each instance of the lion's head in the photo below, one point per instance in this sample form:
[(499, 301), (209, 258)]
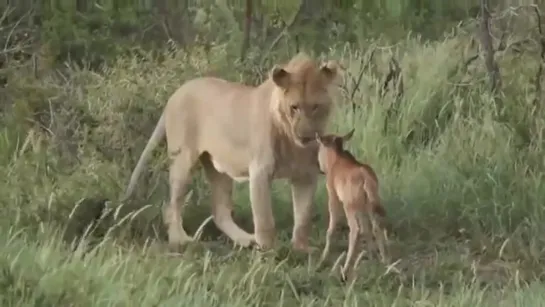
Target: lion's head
[(302, 101)]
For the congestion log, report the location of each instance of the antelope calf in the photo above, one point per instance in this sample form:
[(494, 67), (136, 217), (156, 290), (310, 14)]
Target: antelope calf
[(353, 186)]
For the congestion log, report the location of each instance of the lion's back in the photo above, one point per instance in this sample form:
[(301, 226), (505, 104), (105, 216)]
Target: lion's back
[(216, 116), (210, 92)]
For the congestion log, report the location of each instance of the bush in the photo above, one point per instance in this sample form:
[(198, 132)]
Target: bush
[(461, 180)]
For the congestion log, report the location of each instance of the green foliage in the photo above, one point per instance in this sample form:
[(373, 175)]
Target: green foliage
[(100, 31), (461, 173), (466, 180), (94, 37)]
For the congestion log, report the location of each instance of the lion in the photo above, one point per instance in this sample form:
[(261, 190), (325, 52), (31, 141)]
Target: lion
[(245, 133), (352, 186)]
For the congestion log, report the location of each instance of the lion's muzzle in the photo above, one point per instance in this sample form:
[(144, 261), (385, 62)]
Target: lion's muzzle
[(305, 139)]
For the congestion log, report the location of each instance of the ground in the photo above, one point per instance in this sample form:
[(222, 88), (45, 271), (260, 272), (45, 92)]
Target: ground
[(461, 182)]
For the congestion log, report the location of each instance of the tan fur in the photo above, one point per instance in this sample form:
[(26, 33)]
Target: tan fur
[(354, 186), (246, 133)]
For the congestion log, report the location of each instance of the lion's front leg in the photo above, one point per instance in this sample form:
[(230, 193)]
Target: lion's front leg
[(302, 191), (260, 198)]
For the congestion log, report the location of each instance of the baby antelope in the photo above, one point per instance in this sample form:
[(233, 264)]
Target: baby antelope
[(353, 186)]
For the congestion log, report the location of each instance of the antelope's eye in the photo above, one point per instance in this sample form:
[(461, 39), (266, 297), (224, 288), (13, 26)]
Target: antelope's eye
[(315, 107)]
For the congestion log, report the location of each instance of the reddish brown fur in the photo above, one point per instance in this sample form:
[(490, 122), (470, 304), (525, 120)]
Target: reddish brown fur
[(353, 186)]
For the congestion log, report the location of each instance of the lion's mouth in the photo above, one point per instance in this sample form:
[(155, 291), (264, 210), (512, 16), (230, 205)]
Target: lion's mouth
[(305, 140)]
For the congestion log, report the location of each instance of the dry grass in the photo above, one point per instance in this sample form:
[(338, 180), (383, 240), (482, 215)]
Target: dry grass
[(462, 183)]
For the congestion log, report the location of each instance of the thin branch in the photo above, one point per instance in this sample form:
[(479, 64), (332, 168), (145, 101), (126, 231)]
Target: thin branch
[(539, 73), (247, 29), (14, 27), (501, 48), (364, 66), (394, 77), (5, 15), (284, 31), (486, 42)]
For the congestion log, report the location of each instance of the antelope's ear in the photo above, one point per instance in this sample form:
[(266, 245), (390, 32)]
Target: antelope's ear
[(348, 136), (318, 138)]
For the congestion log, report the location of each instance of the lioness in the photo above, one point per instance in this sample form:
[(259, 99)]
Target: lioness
[(240, 132)]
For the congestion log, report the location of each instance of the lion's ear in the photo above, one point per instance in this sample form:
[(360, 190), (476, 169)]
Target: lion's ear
[(280, 76), (330, 70)]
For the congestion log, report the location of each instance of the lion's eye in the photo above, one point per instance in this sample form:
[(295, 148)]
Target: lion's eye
[(294, 107)]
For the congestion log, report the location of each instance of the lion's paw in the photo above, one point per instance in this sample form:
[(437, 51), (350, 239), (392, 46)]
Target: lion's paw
[(303, 247), (245, 241), (265, 240), (179, 244)]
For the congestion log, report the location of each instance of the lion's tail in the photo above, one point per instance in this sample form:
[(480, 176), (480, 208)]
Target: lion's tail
[(154, 140)]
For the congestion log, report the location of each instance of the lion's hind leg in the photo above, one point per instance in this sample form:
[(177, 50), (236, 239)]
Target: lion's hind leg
[(221, 186), (179, 176)]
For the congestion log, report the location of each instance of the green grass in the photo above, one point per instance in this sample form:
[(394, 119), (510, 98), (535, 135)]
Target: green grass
[(461, 179)]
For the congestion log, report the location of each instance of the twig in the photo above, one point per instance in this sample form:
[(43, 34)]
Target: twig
[(5, 15), (364, 66), (539, 73), (394, 77), (247, 29), (284, 31), (486, 42), (470, 60), (14, 27), (501, 48), (7, 51)]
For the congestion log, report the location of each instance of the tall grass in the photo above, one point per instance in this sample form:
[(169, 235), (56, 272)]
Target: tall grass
[(460, 178)]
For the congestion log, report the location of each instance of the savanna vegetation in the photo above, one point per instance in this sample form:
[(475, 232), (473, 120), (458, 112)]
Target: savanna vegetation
[(446, 98)]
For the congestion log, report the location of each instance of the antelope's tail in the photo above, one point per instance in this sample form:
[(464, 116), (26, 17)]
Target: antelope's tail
[(371, 189)]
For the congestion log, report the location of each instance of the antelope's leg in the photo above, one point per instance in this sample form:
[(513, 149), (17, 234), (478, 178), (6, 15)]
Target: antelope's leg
[(335, 210), (353, 225)]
